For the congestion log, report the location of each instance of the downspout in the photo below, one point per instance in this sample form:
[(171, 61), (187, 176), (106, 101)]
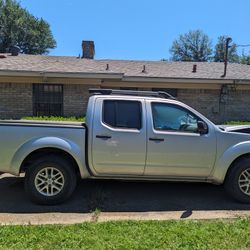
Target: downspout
[(228, 40)]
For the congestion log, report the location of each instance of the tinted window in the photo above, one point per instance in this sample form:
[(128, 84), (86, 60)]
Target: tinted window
[(173, 118), (122, 114)]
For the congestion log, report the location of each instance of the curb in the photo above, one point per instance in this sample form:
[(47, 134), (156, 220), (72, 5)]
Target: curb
[(73, 218)]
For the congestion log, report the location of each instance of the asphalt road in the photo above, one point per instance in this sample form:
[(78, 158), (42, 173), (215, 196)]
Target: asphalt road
[(119, 196)]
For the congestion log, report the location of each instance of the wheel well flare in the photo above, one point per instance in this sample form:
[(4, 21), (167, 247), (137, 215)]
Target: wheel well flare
[(48, 151)]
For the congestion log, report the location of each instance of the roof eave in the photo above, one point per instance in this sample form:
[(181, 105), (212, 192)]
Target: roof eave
[(119, 76), (175, 79), (61, 74)]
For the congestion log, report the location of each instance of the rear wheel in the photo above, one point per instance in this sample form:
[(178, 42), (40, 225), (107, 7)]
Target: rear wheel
[(237, 182), (50, 180)]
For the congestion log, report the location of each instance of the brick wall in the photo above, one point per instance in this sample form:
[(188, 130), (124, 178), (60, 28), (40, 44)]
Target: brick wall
[(234, 106), (237, 106), (205, 101), (15, 100), (75, 99)]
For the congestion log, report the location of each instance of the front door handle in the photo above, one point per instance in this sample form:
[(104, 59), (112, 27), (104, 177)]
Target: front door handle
[(103, 136), (156, 139)]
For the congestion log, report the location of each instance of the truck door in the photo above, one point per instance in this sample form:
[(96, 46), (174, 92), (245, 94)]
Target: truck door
[(175, 148), (119, 137)]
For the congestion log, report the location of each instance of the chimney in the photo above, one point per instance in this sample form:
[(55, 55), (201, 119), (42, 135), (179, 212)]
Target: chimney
[(88, 49)]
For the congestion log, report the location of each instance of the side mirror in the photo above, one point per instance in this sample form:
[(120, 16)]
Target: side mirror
[(202, 127)]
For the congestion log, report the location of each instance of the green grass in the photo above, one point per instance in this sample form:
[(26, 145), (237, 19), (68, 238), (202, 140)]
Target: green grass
[(55, 118), (227, 234), (237, 123)]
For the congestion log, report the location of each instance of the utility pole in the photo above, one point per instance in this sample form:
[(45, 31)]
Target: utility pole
[(228, 40)]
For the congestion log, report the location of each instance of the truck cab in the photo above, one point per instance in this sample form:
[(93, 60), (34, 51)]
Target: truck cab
[(149, 136)]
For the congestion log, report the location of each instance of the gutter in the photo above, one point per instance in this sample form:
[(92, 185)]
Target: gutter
[(119, 76), (242, 82), (176, 80), (66, 75)]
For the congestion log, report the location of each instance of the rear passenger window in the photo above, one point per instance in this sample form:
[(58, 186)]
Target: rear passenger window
[(122, 114)]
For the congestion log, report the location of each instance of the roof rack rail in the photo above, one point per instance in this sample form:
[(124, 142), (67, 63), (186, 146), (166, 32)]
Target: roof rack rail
[(159, 94)]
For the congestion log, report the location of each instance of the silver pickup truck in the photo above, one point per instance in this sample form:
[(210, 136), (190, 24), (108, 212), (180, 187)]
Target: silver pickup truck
[(127, 135)]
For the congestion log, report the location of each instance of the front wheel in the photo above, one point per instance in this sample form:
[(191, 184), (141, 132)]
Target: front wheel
[(50, 180), (237, 182)]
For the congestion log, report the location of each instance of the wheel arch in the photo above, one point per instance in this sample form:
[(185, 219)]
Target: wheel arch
[(45, 151), (239, 158), (228, 159), (44, 145)]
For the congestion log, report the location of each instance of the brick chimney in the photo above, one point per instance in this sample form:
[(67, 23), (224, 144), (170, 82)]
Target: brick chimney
[(88, 49)]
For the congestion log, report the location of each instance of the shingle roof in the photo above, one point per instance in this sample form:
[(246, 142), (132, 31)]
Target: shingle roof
[(161, 69)]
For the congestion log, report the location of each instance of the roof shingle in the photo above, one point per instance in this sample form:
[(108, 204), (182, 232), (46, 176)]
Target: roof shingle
[(129, 68)]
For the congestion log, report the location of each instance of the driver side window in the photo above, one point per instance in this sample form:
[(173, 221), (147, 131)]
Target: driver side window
[(169, 117)]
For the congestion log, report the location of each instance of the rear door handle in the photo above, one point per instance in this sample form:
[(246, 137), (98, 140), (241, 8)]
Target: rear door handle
[(156, 139), (103, 136)]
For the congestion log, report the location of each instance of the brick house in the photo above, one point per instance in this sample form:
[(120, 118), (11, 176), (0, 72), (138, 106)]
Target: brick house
[(58, 85)]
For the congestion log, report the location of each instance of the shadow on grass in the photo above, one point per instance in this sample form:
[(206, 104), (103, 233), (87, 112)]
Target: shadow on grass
[(118, 196)]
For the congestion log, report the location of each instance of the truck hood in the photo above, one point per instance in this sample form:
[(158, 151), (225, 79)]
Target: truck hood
[(245, 129)]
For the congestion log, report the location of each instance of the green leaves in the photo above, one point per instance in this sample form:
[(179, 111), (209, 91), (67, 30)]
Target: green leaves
[(245, 59), (192, 46), (19, 27), (55, 118), (219, 54), (197, 46)]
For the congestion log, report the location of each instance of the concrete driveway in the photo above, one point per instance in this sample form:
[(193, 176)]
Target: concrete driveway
[(120, 200)]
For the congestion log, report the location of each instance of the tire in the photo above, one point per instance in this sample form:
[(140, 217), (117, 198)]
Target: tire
[(237, 182), (50, 180)]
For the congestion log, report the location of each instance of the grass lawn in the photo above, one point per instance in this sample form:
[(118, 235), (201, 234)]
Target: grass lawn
[(227, 234)]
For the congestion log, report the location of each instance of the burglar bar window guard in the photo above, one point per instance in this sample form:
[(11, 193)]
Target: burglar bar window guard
[(47, 99)]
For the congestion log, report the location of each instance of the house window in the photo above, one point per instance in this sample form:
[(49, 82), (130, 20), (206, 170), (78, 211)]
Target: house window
[(172, 92), (47, 99)]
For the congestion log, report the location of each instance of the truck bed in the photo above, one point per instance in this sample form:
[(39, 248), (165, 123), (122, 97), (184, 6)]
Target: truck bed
[(18, 138)]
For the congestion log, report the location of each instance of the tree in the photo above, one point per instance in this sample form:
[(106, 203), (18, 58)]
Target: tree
[(192, 46), (245, 59), (19, 27), (220, 48)]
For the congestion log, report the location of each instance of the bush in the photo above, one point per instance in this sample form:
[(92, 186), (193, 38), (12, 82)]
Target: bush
[(237, 123), (55, 118)]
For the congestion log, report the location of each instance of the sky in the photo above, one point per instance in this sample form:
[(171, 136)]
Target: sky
[(138, 29)]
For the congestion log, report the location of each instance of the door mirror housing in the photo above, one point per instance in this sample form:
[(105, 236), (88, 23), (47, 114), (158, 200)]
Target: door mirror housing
[(202, 127)]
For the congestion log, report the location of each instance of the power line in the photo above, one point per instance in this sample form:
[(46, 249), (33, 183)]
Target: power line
[(243, 45)]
